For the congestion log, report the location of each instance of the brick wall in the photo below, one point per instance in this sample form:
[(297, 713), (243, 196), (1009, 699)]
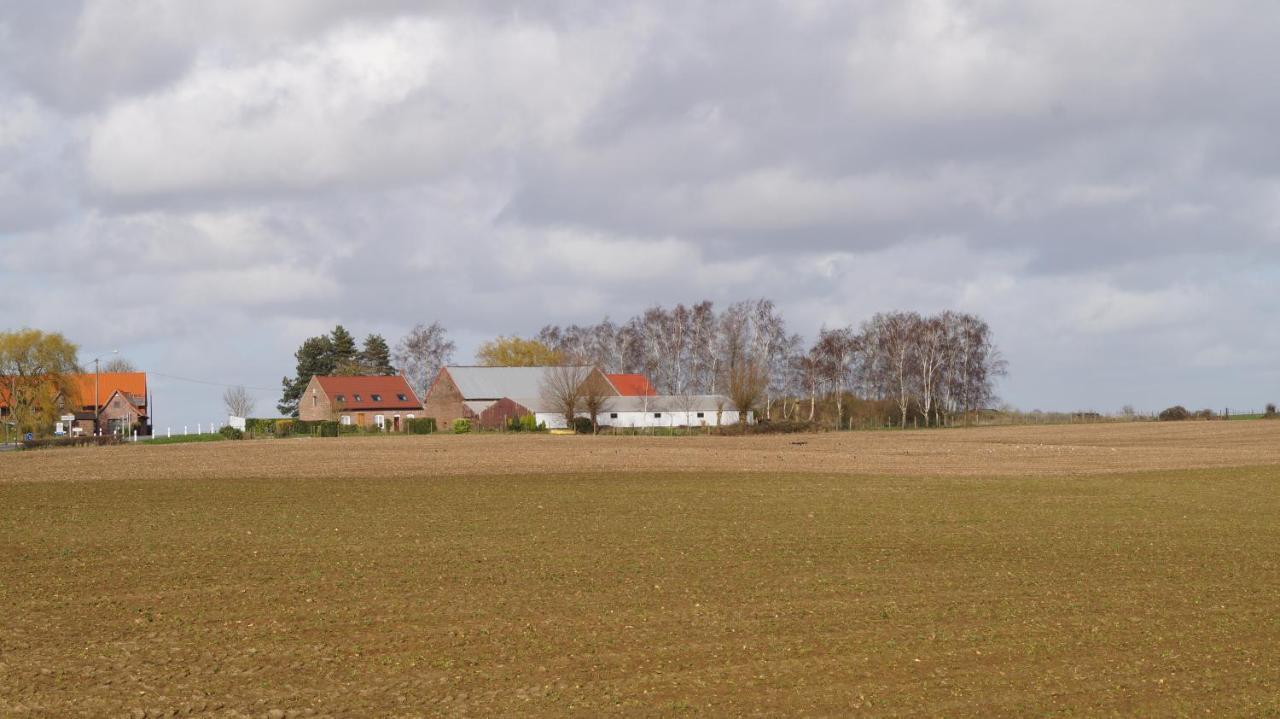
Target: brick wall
[(444, 401)]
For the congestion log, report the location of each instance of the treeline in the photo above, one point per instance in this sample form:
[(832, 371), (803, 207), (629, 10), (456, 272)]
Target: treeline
[(927, 369)]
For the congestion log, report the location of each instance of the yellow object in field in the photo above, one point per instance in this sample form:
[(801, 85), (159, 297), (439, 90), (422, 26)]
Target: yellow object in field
[(563, 431)]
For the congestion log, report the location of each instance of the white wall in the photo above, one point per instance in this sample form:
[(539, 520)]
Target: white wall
[(646, 419), (670, 419)]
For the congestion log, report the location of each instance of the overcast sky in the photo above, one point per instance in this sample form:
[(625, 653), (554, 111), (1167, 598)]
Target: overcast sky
[(202, 185)]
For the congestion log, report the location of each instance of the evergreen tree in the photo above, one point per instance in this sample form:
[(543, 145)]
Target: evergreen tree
[(346, 360), (375, 358), (315, 357), (343, 345)]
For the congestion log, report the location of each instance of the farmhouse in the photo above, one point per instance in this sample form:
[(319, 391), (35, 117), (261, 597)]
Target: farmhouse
[(122, 401), (386, 402), (491, 396)]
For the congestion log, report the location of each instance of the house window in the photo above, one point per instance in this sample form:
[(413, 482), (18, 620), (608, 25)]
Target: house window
[(375, 397), (402, 398), (613, 415), (699, 415), (379, 420), (340, 398), (657, 415), (356, 397), (346, 419)]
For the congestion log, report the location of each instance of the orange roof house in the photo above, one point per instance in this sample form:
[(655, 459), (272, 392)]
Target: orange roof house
[(632, 385), (119, 404)]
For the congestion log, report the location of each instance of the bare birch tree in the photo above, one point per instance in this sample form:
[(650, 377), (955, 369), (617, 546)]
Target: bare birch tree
[(238, 401), (562, 390)]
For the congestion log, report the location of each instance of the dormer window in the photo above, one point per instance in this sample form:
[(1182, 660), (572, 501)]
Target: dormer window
[(402, 398), (356, 397), (340, 398), (376, 397)]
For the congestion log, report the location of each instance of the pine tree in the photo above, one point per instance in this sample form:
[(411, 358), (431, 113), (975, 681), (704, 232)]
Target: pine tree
[(315, 357), (375, 358), (343, 345)]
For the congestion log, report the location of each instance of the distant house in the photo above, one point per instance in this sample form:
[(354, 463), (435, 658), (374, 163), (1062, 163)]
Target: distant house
[(492, 396), (367, 401), (121, 398), (113, 402)]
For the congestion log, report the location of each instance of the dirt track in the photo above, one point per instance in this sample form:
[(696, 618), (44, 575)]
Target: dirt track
[(995, 451)]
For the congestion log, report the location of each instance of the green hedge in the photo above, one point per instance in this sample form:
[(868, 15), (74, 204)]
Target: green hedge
[(424, 425), (461, 426)]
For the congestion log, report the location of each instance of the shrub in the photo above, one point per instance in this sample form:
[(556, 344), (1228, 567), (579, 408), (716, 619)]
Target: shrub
[(461, 426), (1205, 414), (582, 425), (526, 423), (283, 427), (257, 425), (1271, 411), (348, 429), (231, 432), (424, 425), (785, 427), (1176, 413)]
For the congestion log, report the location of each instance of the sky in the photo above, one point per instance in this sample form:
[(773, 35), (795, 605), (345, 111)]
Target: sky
[(201, 186)]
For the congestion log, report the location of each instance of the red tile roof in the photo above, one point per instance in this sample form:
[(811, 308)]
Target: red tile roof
[(632, 385), (133, 385), (388, 388)]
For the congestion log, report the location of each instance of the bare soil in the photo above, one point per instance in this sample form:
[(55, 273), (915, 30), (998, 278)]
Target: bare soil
[(1113, 570), (993, 451)]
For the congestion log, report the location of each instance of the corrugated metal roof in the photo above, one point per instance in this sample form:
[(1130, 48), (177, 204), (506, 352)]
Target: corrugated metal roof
[(492, 383)]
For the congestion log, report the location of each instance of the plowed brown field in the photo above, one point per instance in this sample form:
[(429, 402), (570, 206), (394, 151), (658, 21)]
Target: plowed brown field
[(1069, 570), (984, 452)]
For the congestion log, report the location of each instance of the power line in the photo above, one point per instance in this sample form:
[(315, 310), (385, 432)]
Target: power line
[(213, 384)]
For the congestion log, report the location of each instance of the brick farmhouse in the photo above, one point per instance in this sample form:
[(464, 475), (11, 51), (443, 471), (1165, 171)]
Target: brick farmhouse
[(387, 402)]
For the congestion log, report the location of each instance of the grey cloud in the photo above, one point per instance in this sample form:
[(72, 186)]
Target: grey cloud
[(1097, 179)]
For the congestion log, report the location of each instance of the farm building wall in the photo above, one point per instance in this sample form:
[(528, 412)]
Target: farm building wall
[(444, 401), (314, 404)]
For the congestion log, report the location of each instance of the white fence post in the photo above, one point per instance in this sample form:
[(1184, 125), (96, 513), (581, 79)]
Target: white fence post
[(168, 431), (135, 435), (184, 430), (199, 428)]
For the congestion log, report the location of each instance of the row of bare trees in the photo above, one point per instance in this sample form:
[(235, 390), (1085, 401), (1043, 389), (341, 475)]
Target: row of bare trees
[(930, 369)]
